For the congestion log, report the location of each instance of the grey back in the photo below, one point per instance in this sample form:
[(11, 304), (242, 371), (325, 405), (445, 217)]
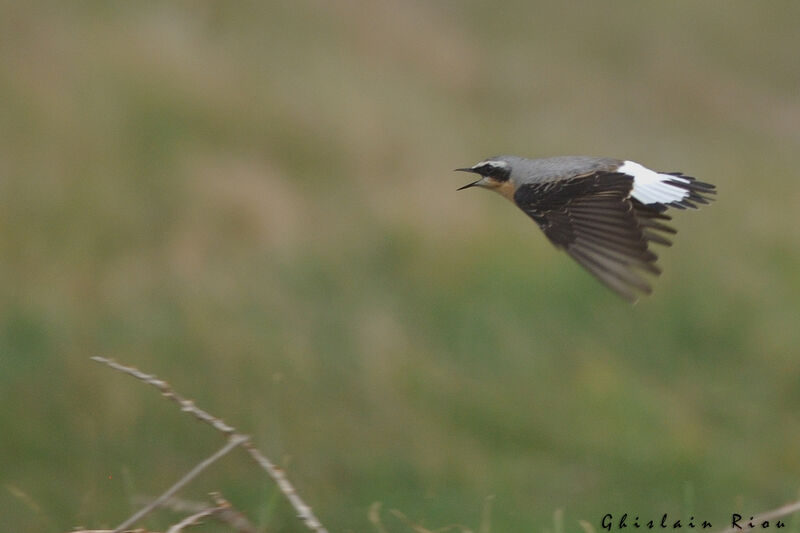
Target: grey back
[(524, 171)]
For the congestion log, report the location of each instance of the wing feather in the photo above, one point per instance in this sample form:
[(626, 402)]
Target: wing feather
[(593, 218)]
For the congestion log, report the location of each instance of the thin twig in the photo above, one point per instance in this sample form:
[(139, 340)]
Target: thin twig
[(375, 517), (421, 529), (175, 504), (193, 520), (304, 512), (233, 442), (227, 513), (766, 516), (231, 516), (185, 405)]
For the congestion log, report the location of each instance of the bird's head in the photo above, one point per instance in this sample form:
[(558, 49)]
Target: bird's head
[(494, 175)]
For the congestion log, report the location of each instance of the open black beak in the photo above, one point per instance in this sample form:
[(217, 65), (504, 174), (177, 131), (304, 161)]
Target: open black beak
[(468, 185)]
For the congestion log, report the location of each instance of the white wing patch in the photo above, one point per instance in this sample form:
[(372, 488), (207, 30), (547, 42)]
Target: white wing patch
[(650, 187)]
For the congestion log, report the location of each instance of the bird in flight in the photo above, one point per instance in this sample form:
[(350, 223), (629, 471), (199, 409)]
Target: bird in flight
[(603, 212)]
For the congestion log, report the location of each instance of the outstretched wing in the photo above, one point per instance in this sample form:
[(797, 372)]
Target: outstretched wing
[(593, 218)]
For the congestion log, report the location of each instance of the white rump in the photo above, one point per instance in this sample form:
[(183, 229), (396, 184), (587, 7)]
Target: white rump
[(650, 187)]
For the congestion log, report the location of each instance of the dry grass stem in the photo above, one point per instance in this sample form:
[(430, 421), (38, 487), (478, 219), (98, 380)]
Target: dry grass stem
[(225, 513), (231, 516), (193, 520), (233, 442), (111, 531), (766, 516), (375, 517), (419, 528), (304, 511), (187, 406)]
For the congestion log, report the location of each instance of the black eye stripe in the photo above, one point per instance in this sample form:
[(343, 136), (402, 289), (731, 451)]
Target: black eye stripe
[(497, 172)]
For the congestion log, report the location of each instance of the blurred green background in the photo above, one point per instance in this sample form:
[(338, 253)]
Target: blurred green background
[(254, 200)]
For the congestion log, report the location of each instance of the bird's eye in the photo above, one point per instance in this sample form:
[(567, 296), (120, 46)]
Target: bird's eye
[(498, 172)]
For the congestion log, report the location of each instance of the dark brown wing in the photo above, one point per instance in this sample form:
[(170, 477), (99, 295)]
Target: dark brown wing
[(593, 218)]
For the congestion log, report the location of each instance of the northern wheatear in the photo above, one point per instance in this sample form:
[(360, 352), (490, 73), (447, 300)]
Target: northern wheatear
[(603, 212)]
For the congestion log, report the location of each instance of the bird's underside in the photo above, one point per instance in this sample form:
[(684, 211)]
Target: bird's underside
[(598, 220)]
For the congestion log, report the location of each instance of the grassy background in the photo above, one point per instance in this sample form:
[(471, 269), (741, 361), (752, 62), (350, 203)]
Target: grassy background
[(255, 201)]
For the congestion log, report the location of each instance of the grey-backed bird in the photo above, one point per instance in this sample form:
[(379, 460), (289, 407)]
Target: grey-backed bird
[(603, 212)]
